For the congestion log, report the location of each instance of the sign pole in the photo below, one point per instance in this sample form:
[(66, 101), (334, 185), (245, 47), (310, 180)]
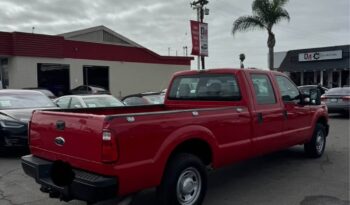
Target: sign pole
[(198, 57)]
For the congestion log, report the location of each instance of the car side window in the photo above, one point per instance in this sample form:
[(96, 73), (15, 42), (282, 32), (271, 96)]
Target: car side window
[(63, 102), (263, 89), (288, 90), (75, 103)]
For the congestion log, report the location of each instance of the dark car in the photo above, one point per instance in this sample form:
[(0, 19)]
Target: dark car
[(337, 100), (88, 89), (305, 89), (148, 98), (16, 107), (46, 92)]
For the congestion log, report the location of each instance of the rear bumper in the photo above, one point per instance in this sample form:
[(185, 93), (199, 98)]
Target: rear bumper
[(338, 108), (85, 186)]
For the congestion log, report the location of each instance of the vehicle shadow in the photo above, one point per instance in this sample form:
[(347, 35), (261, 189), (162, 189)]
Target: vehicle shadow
[(13, 153), (339, 116), (232, 177)]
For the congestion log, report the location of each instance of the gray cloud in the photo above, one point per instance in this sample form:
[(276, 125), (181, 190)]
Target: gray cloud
[(159, 25)]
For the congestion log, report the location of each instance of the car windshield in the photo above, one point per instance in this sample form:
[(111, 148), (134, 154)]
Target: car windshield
[(24, 100), (339, 91), (102, 101), (155, 99)]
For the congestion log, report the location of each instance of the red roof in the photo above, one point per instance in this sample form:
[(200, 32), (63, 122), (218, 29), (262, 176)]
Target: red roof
[(38, 45)]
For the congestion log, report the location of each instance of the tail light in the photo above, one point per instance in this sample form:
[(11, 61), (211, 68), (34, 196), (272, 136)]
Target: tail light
[(109, 147), (346, 98), (323, 98)]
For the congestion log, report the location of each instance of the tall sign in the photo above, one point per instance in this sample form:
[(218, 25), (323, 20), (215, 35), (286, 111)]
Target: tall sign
[(199, 32)]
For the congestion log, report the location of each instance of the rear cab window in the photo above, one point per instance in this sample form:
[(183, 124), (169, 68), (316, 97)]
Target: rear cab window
[(205, 87)]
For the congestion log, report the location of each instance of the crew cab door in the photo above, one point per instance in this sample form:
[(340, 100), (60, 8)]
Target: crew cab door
[(267, 113), (297, 117)]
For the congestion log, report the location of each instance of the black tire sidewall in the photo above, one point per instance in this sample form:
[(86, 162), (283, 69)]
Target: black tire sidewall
[(310, 147), (178, 164)]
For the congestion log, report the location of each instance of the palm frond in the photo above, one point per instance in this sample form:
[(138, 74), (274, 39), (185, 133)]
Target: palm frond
[(280, 14), (279, 3), (246, 23), (262, 8)]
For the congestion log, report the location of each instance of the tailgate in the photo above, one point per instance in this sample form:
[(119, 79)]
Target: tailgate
[(66, 135)]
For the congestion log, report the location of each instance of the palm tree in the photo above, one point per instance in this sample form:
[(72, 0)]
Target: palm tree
[(266, 13)]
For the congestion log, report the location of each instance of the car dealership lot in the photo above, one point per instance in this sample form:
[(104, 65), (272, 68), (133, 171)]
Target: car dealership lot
[(285, 177)]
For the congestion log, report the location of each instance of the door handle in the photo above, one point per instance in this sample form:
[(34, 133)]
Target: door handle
[(285, 114), (260, 118)]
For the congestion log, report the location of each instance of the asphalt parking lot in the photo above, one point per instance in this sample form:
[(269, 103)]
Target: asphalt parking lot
[(281, 178)]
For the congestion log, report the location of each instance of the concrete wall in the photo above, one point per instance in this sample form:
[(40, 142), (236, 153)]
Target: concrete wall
[(124, 78)]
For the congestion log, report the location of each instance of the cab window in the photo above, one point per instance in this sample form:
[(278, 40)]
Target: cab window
[(288, 90), (263, 89), (205, 87)]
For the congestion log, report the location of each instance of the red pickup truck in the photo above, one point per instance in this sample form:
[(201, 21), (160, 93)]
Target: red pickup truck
[(209, 119)]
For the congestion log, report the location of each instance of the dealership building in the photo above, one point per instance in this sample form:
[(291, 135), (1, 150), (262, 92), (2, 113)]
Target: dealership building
[(328, 66), (94, 56)]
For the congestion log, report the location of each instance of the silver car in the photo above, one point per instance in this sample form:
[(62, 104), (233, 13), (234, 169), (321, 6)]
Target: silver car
[(87, 101), (337, 100)]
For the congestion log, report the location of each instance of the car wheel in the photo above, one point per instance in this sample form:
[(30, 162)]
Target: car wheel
[(184, 181), (315, 148)]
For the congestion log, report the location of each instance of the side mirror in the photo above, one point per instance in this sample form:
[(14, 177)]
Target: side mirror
[(315, 97)]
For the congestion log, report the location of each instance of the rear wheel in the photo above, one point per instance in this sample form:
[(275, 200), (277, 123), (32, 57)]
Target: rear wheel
[(315, 148), (184, 181)]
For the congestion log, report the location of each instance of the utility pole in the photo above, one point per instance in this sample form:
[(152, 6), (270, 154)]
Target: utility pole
[(201, 11)]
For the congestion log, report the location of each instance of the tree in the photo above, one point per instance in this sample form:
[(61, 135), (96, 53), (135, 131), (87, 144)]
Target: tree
[(266, 14)]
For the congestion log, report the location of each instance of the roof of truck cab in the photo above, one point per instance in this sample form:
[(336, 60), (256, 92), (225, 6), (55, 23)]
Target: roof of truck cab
[(221, 71)]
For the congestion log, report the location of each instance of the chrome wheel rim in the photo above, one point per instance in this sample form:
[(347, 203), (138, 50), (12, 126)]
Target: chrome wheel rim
[(189, 186), (320, 141)]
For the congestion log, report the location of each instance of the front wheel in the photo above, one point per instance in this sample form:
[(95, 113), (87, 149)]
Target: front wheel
[(315, 148), (184, 181)]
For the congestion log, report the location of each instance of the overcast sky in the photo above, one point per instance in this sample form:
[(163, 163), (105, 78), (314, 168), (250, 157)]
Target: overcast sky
[(160, 24)]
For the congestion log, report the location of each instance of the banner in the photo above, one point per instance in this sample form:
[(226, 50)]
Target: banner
[(203, 39), (195, 38), (199, 33)]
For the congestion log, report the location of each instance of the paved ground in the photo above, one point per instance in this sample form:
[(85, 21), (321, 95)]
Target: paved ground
[(282, 178)]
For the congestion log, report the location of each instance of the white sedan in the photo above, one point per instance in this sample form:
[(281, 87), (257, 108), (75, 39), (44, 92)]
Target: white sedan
[(87, 101)]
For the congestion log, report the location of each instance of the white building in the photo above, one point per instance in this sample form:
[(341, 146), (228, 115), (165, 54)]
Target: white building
[(95, 56)]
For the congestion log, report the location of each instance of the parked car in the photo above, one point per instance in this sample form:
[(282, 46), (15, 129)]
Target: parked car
[(46, 92), (16, 107), (209, 119), (337, 100), (148, 98), (305, 89), (87, 101), (88, 89)]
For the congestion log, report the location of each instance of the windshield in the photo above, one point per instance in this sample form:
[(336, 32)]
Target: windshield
[(339, 91), (24, 100), (102, 101)]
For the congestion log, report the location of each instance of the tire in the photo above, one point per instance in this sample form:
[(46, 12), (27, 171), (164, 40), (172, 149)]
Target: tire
[(315, 148), (183, 169)]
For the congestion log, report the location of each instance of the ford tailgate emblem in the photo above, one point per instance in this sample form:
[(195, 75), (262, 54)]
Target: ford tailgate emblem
[(59, 141)]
